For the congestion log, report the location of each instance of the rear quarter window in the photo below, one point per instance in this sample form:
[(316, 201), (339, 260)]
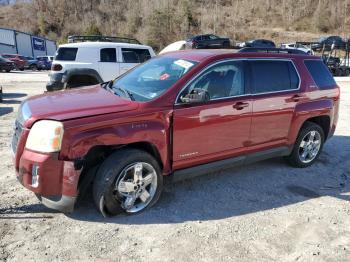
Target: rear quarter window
[(273, 76), (66, 54), (135, 55), (320, 74)]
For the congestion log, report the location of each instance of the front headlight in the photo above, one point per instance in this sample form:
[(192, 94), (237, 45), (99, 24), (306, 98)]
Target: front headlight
[(45, 136)]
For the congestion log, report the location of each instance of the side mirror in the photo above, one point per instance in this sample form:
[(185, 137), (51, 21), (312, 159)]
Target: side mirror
[(197, 95)]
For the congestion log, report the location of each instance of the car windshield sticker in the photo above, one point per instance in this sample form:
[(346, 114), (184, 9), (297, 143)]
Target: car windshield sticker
[(164, 76), (183, 63)]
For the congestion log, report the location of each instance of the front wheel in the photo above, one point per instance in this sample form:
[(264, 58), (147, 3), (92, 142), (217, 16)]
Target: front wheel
[(128, 181), (308, 146)]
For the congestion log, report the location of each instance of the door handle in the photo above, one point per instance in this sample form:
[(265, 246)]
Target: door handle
[(296, 98), (240, 105)]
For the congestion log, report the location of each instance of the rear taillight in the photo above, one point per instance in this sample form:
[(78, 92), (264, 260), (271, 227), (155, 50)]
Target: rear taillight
[(56, 67)]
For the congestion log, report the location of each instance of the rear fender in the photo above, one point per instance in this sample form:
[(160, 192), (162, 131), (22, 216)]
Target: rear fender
[(81, 72), (308, 110)]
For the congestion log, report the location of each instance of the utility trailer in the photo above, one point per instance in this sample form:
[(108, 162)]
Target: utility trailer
[(336, 57)]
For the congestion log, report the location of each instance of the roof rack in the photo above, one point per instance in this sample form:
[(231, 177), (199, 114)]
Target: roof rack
[(271, 50), (100, 38)]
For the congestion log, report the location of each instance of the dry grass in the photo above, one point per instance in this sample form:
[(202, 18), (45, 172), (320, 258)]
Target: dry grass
[(159, 22)]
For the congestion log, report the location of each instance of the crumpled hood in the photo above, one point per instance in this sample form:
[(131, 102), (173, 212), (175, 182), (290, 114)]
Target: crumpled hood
[(74, 103)]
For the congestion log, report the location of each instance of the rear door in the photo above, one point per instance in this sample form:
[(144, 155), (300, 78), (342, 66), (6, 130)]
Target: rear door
[(108, 66), (275, 88), (131, 57), (216, 129)]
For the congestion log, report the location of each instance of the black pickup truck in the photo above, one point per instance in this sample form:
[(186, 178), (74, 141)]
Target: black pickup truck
[(207, 41)]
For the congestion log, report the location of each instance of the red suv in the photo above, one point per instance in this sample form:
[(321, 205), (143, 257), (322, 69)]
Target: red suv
[(177, 115), (20, 62)]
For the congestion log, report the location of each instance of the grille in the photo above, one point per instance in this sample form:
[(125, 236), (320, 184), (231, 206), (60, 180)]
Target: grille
[(16, 135)]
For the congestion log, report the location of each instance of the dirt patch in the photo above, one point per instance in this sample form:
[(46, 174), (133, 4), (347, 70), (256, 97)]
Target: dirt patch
[(265, 211)]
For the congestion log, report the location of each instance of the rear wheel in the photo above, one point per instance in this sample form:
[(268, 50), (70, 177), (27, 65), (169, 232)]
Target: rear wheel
[(308, 146), (347, 72), (128, 181)]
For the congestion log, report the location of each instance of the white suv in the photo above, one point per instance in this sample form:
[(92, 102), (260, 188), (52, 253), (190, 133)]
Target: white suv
[(89, 63)]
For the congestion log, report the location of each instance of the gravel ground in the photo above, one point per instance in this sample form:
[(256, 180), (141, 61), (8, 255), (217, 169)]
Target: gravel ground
[(261, 212)]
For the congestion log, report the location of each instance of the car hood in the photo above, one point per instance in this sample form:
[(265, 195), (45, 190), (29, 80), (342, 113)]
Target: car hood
[(74, 103)]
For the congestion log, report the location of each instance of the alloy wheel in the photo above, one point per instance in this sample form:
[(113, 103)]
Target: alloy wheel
[(310, 146), (136, 186)]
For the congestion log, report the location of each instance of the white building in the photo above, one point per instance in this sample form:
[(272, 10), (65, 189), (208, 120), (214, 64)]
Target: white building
[(16, 42)]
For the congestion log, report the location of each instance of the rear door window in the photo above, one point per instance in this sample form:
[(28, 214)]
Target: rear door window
[(66, 54), (320, 73), (273, 76), (108, 55), (135, 55)]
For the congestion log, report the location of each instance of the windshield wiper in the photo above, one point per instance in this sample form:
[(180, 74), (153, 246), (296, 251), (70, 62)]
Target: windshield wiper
[(126, 92), (109, 86)]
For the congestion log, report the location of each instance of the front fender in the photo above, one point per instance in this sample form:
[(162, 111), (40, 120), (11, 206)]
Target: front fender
[(81, 72), (78, 140)]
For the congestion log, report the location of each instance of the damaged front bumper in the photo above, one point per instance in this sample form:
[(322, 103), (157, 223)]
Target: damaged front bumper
[(53, 181)]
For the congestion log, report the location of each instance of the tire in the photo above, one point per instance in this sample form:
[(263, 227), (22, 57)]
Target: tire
[(21, 69), (112, 175), (301, 146), (33, 67), (49, 89), (8, 71), (347, 72)]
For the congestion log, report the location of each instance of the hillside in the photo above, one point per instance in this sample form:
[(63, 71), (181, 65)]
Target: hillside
[(159, 22)]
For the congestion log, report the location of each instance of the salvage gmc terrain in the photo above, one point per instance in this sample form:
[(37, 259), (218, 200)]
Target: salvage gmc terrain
[(177, 115)]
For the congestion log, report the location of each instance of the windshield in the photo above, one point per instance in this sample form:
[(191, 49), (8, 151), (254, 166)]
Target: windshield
[(151, 79)]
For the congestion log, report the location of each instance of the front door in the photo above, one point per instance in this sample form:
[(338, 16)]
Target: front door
[(219, 128)]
